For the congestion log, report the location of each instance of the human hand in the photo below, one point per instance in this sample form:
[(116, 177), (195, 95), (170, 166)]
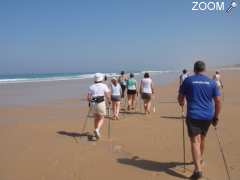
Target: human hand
[(215, 121)]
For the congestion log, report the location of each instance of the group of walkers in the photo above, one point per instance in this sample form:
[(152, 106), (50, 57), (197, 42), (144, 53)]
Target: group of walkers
[(198, 91), (102, 95)]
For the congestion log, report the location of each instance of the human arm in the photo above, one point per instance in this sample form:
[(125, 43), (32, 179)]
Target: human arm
[(152, 87), (182, 93), (217, 102), (180, 80), (107, 94), (141, 87), (181, 100), (221, 83)]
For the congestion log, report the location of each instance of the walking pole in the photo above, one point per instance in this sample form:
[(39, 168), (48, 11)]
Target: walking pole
[(154, 104), (222, 153), (125, 102), (184, 146), (109, 123), (136, 103), (223, 97), (86, 119), (140, 104)]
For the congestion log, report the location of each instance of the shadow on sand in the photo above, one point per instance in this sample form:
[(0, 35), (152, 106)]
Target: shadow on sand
[(171, 117), (132, 113), (76, 135), (167, 102), (166, 167)]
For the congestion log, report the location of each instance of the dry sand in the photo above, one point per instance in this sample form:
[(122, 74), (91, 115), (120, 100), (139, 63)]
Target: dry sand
[(42, 142)]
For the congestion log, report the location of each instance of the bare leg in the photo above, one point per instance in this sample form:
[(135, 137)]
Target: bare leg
[(202, 145), (196, 152), (145, 106), (148, 106), (129, 101), (114, 108), (133, 101), (117, 109), (99, 119)]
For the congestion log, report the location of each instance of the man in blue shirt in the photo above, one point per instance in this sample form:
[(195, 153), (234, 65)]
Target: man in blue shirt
[(203, 107)]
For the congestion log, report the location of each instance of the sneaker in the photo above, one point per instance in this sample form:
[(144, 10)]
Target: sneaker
[(97, 134), (196, 176)]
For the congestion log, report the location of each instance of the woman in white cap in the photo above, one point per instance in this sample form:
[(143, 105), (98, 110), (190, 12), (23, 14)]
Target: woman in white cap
[(116, 92), (96, 96), (146, 90)]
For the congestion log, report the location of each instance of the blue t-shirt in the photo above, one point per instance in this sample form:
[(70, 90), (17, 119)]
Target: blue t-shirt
[(199, 91)]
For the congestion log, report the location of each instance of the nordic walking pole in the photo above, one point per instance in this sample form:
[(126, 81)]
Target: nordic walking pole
[(154, 104), (109, 123), (222, 152), (86, 119), (140, 104), (223, 96), (184, 145)]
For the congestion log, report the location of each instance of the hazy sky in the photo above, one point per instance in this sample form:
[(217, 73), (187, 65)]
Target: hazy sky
[(110, 35)]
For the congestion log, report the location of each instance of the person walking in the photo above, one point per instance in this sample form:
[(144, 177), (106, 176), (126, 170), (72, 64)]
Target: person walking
[(217, 78), (146, 90), (203, 108), (131, 91), (123, 83), (183, 76), (116, 93), (98, 93)]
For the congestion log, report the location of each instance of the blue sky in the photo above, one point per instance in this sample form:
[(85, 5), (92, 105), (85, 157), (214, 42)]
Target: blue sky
[(110, 35)]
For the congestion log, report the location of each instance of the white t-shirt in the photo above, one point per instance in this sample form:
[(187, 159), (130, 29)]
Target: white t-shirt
[(116, 90), (183, 77), (98, 89), (146, 85), (217, 78)]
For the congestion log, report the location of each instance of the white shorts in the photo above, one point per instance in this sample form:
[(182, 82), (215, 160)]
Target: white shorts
[(218, 84), (100, 108)]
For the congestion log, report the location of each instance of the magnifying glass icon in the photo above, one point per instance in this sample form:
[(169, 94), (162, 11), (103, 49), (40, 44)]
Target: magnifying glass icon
[(233, 5)]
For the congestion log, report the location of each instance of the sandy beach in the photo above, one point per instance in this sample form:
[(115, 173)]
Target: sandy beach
[(42, 141)]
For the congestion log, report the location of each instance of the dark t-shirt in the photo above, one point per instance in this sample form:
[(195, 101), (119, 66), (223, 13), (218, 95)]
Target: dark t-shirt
[(199, 91)]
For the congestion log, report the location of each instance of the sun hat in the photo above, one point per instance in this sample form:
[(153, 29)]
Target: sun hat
[(98, 77), (114, 78)]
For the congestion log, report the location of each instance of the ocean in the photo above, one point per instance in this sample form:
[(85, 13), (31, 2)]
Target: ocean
[(51, 77), (37, 89)]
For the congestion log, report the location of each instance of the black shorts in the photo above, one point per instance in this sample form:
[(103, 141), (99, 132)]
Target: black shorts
[(123, 87), (132, 92), (116, 98), (146, 96), (196, 127)]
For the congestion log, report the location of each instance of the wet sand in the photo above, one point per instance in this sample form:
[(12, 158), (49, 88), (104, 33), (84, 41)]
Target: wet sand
[(42, 142)]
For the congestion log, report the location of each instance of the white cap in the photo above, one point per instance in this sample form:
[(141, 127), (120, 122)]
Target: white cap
[(114, 78), (98, 77)]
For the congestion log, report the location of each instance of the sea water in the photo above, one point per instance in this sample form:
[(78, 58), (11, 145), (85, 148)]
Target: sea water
[(29, 89)]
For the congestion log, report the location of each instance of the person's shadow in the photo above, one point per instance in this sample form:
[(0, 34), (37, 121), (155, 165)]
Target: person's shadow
[(76, 135), (167, 167)]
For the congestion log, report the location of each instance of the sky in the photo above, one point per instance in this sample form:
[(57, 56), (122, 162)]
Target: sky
[(51, 36)]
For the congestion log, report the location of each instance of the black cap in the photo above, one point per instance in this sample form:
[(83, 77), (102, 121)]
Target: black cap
[(131, 75), (199, 66), (122, 72)]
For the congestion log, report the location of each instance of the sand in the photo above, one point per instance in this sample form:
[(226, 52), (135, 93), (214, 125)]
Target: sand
[(41, 142)]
